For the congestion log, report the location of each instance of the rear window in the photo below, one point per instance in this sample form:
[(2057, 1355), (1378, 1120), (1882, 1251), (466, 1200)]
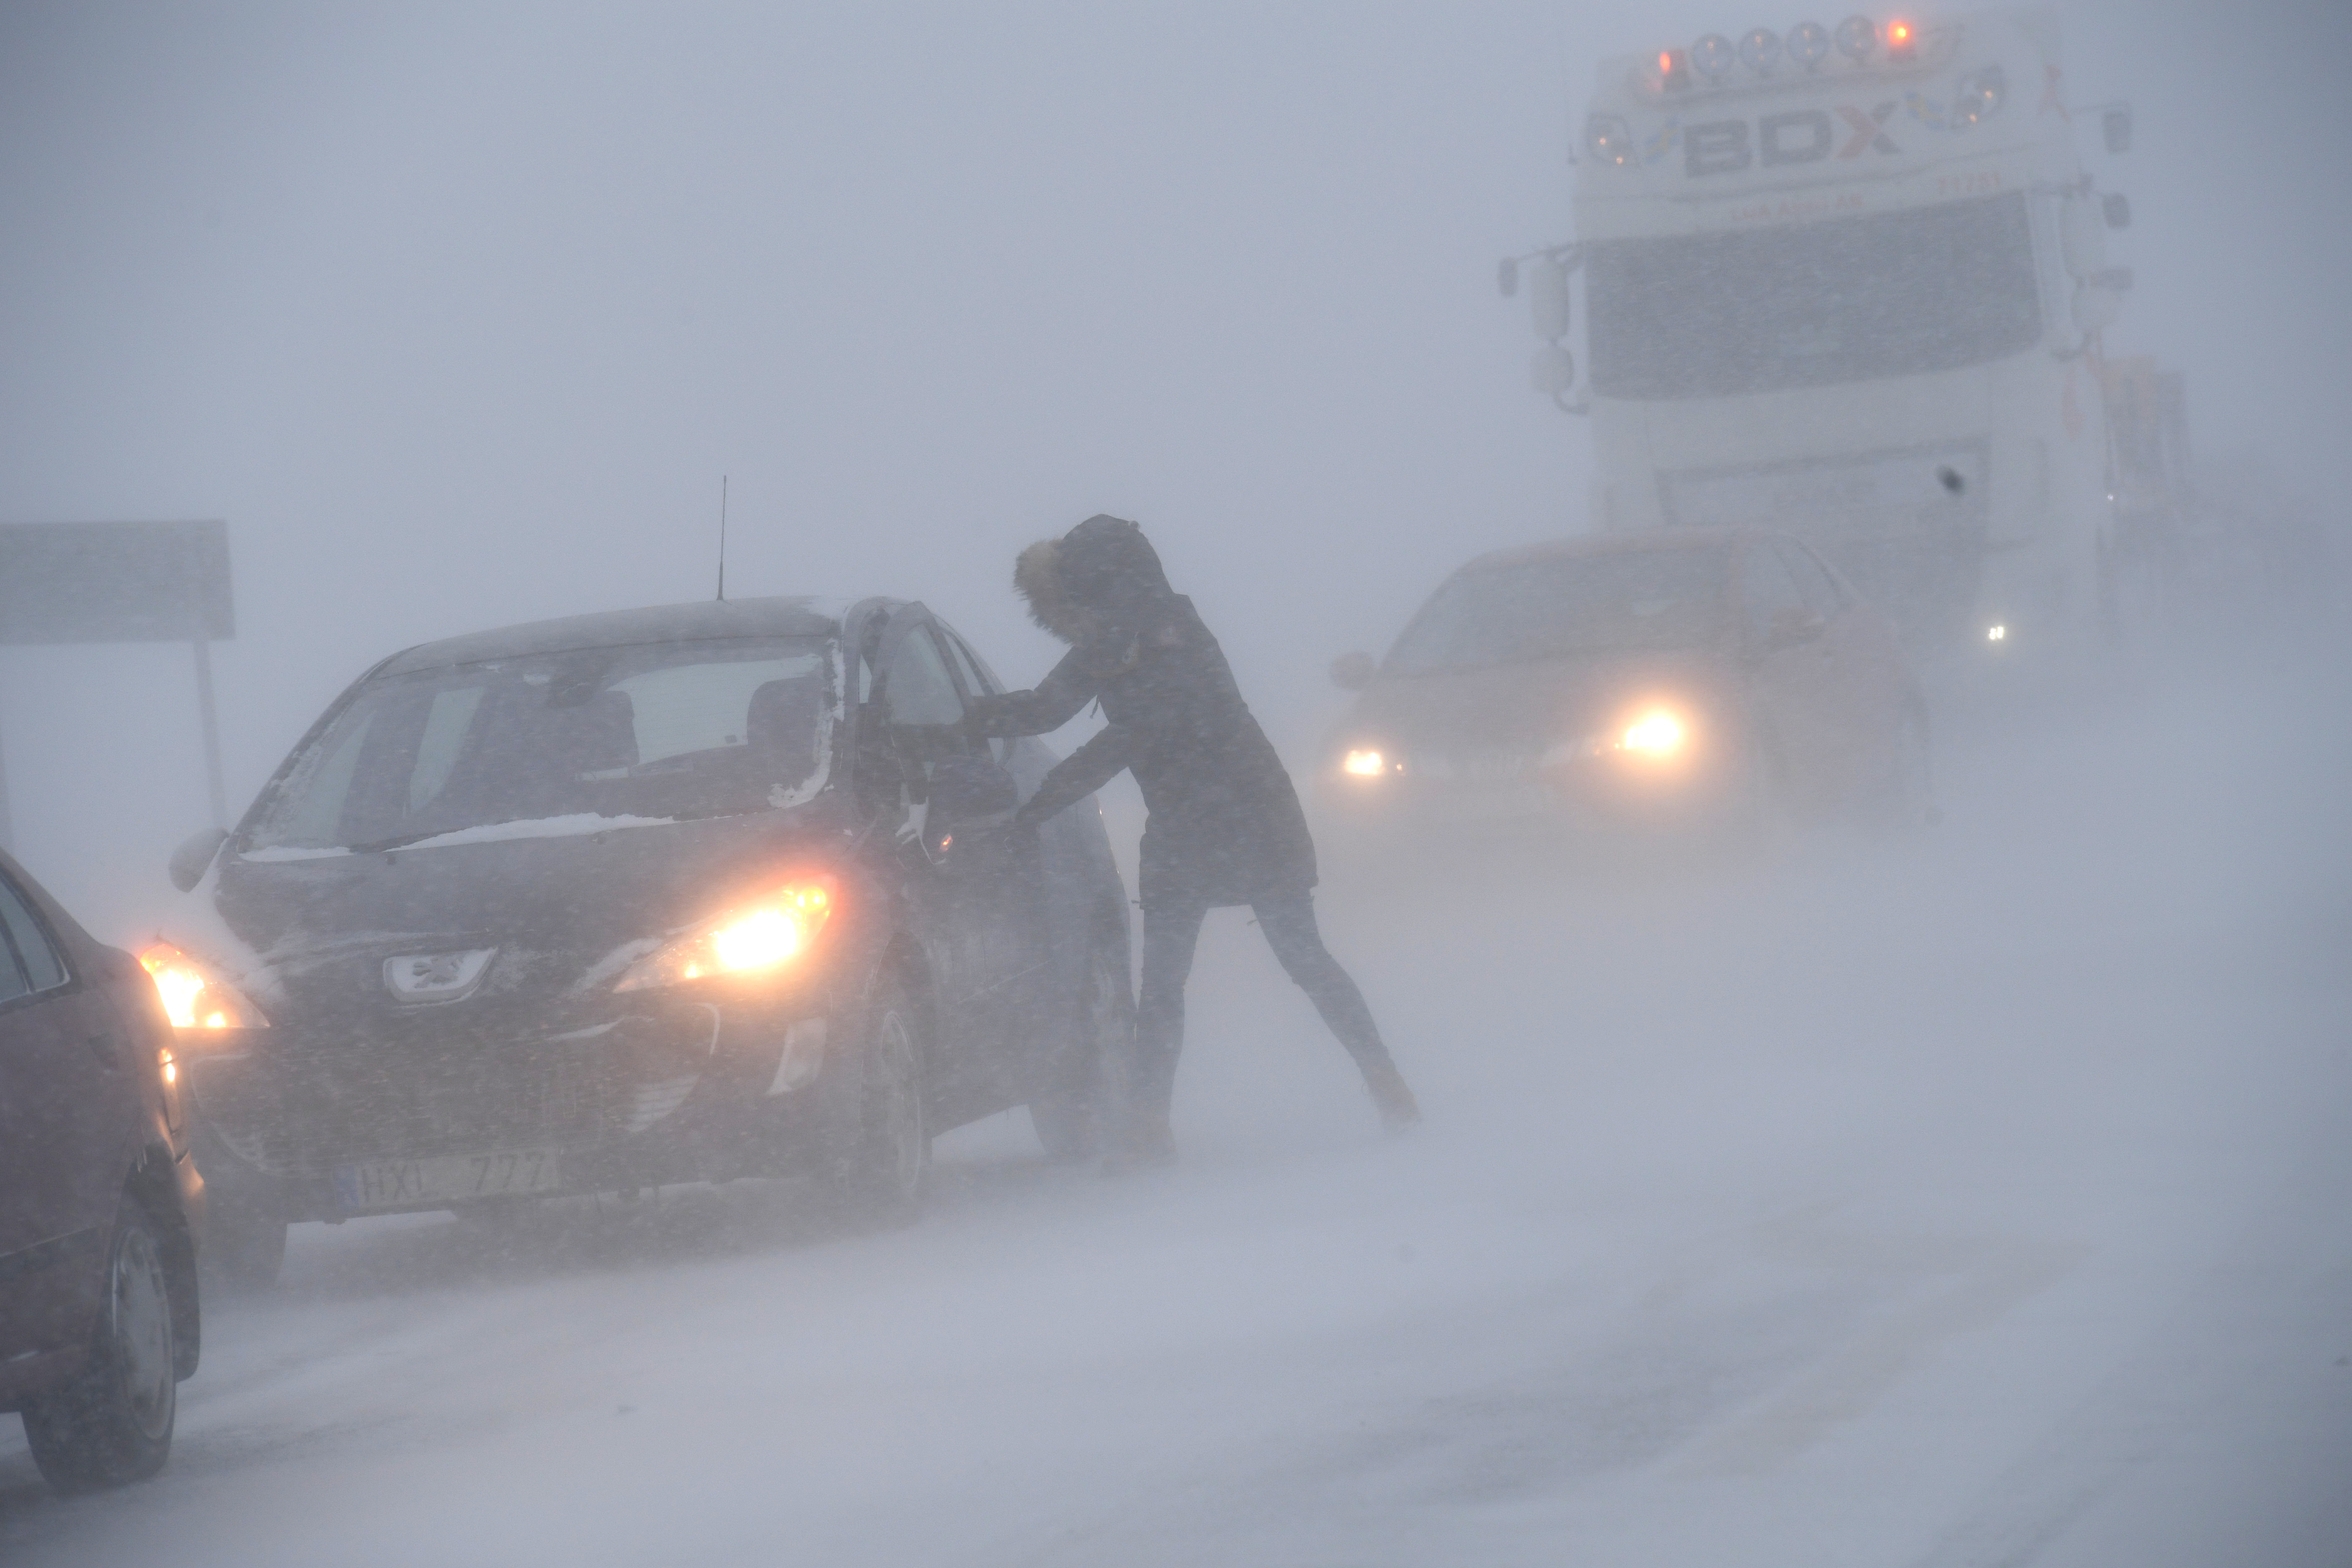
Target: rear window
[(1572, 604), (660, 731)]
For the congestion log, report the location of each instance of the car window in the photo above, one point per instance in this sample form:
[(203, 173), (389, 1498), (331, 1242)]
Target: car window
[(657, 730), (975, 680), (309, 809), (1821, 593), (1766, 589), (916, 685), (13, 983), (1556, 608), (686, 709), (446, 723), (35, 957)]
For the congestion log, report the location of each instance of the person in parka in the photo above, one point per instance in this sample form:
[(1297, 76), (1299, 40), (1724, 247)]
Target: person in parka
[(1224, 825)]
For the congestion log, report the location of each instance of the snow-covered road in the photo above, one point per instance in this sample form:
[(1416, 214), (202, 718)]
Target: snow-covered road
[(1986, 1200)]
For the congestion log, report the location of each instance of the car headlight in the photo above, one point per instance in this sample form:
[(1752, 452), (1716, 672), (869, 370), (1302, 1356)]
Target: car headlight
[(757, 937), (1653, 734), (1656, 734), (1364, 764), (195, 994)]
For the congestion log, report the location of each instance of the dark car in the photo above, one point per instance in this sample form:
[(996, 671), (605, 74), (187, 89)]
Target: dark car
[(658, 896), (1683, 676), (100, 1203)]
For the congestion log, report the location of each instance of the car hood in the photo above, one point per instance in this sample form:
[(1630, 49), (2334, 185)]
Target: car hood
[(560, 909), (1528, 706)]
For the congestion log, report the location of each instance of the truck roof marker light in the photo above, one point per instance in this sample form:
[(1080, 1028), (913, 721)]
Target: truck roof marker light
[(1901, 39), (1761, 50), (1808, 44), (1856, 37), (1713, 56)]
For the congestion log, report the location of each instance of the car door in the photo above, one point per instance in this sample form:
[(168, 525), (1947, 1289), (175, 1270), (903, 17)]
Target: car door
[(973, 897), (1048, 900), (1794, 670), (69, 1104)]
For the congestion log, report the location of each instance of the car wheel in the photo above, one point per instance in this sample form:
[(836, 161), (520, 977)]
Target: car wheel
[(880, 1144), (1069, 1117), (112, 1424), (244, 1245)]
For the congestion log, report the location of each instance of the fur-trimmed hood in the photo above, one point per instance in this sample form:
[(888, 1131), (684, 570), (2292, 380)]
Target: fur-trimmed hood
[(1101, 576), (1039, 581)]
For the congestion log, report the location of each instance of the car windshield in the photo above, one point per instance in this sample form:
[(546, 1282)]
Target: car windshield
[(1571, 604), (658, 732), (1715, 315)]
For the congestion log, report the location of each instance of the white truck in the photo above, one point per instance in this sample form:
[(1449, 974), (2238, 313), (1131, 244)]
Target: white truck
[(1850, 283)]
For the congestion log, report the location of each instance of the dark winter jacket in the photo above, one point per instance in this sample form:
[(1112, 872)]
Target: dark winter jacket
[(1226, 826)]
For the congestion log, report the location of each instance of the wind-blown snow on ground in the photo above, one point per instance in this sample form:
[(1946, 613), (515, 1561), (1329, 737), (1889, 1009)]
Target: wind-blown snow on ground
[(1976, 1200)]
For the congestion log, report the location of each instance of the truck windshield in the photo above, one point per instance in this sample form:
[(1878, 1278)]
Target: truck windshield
[(660, 731), (1571, 604), (1714, 315)]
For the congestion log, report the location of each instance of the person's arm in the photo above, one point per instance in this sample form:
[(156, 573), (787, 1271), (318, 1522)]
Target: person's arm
[(1079, 774), (1052, 703)]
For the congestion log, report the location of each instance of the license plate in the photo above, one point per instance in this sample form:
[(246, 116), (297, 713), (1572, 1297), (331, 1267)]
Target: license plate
[(445, 1178)]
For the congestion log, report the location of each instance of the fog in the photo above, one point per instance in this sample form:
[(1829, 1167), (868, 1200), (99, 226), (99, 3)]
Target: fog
[(1978, 1197)]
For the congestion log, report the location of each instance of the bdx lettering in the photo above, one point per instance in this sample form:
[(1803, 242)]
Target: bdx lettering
[(1799, 136)]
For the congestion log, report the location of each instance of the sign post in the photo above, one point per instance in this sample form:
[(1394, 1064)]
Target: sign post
[(122, 581)]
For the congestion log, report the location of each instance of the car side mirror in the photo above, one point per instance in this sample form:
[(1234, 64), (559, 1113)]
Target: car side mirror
[(1791, 627), (971, 789), (194, 856), (1353, 671)]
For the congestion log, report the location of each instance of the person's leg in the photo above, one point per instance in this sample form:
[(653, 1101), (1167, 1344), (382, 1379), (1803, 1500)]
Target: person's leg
[(1169, 937), (1290, 930)]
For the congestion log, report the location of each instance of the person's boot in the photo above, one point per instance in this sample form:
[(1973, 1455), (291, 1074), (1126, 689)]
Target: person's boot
[(1392, 1096)]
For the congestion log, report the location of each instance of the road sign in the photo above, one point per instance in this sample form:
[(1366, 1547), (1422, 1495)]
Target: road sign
[(122, 581), (115, 582)]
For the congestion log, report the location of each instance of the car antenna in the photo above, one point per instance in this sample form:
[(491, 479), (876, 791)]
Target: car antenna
[(723, 539)]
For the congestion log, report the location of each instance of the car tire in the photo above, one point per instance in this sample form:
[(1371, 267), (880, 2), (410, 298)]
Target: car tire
[(878, 1148), (1067, 1118), (244, 1245), (112, 1424)]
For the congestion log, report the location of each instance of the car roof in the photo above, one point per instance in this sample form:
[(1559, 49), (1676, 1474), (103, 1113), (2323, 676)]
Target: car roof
[(1634, 542), (780, 618)]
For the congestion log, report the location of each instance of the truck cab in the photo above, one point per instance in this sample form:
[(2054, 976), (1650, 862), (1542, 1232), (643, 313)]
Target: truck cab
[(1850, 284)]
